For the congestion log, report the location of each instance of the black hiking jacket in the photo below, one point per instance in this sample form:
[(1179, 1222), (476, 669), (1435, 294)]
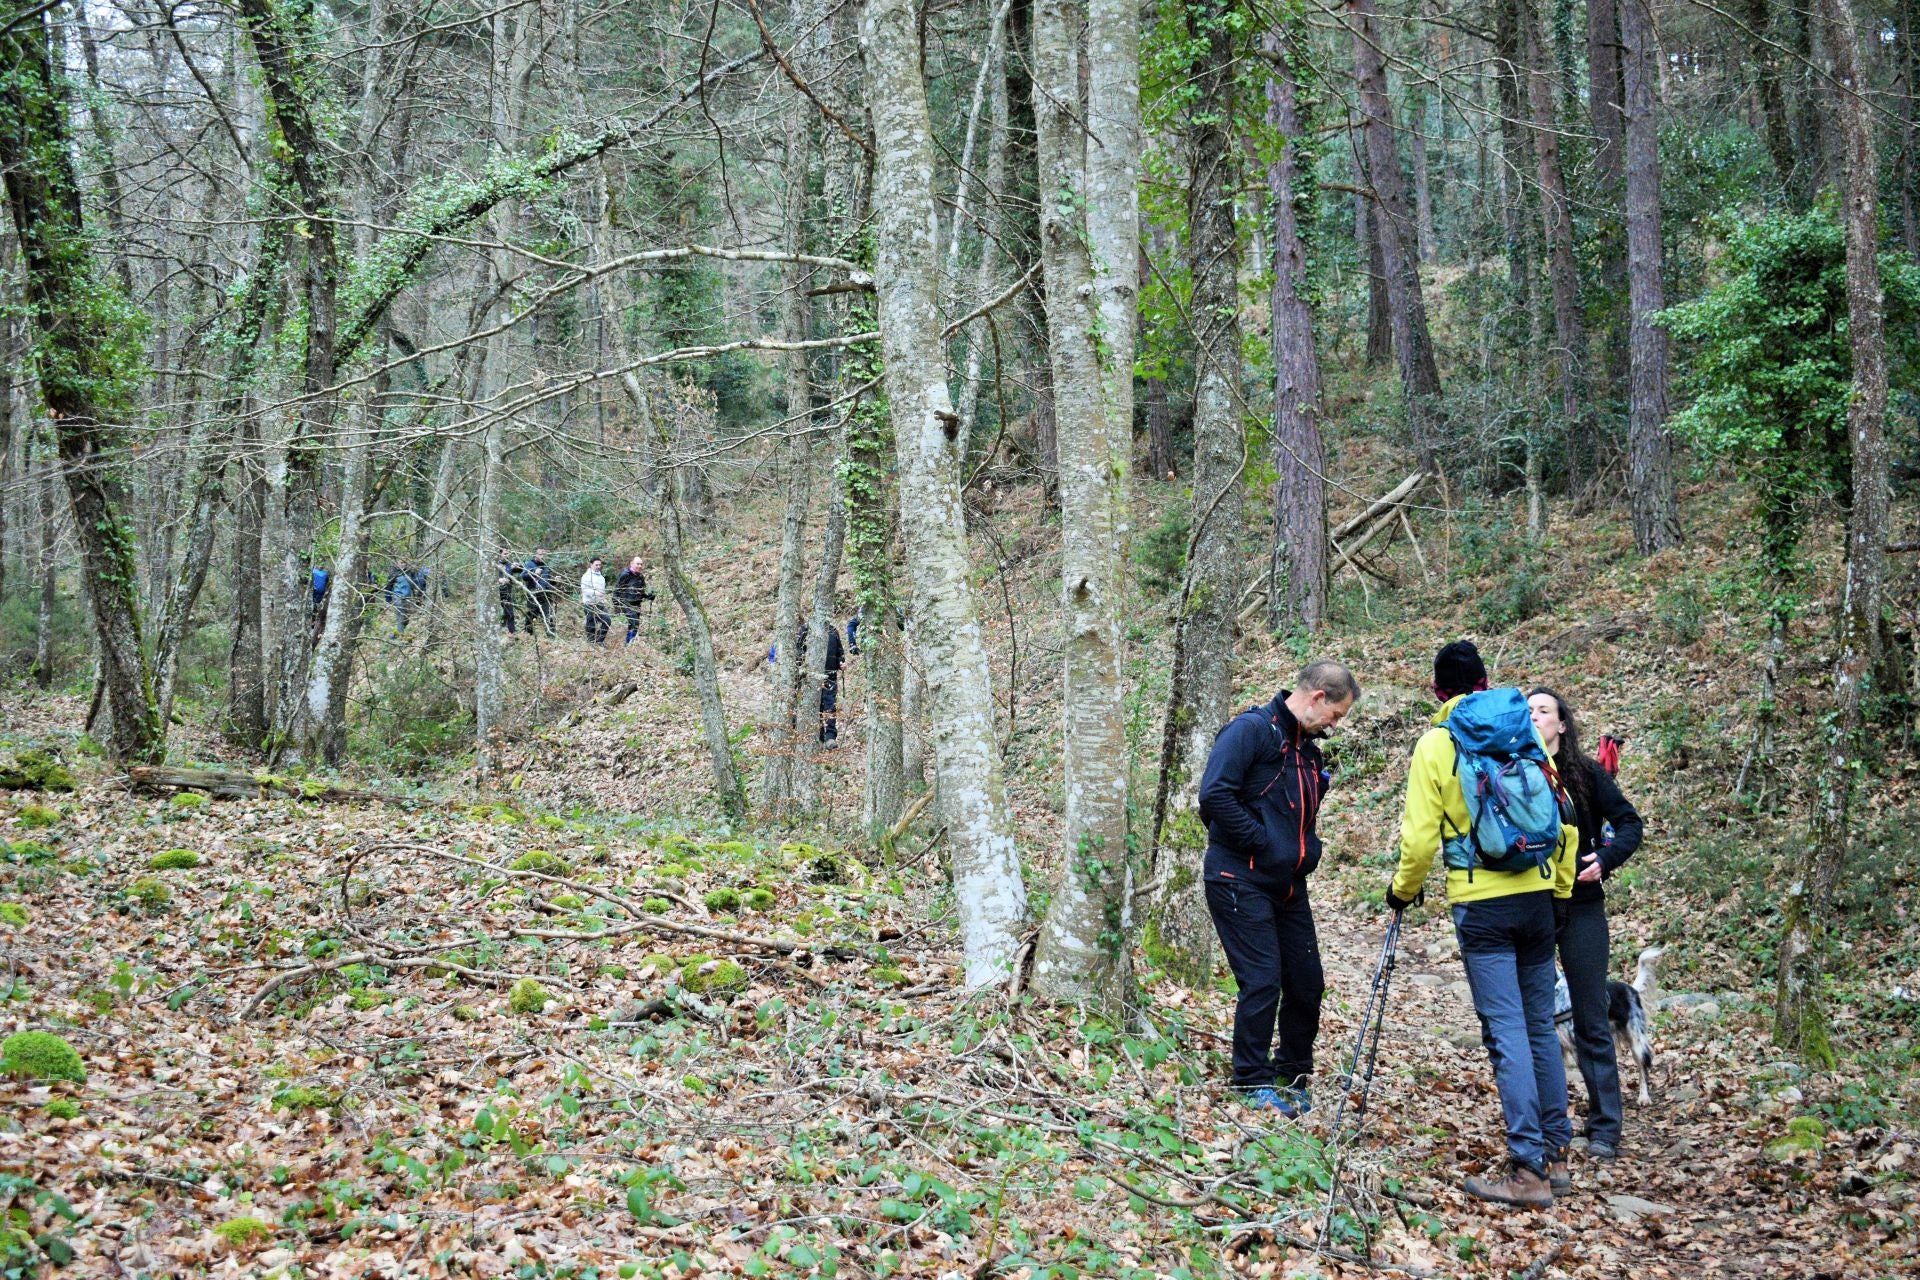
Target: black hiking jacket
[(1260, 799)]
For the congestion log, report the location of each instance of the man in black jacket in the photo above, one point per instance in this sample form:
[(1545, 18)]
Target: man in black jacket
[(1260, 799), (630, 593)]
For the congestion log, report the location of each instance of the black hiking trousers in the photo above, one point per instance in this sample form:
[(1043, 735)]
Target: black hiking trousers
[(1270, 942)]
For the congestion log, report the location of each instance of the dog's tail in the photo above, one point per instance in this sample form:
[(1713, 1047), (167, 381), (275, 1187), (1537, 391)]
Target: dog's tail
[(1646, 978)]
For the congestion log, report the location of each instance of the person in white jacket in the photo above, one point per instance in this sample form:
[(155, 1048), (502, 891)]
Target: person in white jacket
[(593, 599)]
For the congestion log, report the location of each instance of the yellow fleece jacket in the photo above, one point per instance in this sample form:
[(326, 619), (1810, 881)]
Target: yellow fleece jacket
[(1433, 791)]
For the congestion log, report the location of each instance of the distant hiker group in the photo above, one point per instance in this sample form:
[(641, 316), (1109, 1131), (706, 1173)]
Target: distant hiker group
[(1527, 826), (528, 595)]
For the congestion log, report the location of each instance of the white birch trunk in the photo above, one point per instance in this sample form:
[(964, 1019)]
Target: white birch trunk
[(991, 897)]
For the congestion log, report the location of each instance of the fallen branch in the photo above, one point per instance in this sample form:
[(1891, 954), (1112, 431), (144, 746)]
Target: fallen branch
[(1401, 494), (237, 784)]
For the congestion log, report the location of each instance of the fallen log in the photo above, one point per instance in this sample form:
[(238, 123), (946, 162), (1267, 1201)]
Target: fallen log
[(238, 784), (1402, 493)]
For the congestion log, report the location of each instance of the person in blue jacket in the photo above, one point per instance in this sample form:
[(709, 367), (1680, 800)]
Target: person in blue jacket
[(1260, 800)]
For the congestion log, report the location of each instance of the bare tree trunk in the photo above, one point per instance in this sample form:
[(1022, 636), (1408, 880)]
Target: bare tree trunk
[(1800, 1018), (1422, 179), (821, 621), (331, 666), (1398, 235), (1775, 126), (779, 775), (1206, 625), (49, 573), (246, 662), (1082, 955), (1650, 486), (1297, 592), (990, 92), (706, 673), (990, 896)]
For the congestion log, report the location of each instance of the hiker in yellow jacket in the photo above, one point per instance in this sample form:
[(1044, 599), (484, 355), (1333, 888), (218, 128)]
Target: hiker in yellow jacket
[(1506, 923)]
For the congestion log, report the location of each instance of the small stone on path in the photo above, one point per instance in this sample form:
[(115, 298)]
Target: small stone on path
[(1628, 1208)]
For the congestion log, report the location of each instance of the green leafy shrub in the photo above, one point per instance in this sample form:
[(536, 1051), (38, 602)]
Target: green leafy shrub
[(540, 861), (243, 1233), (35, 770), (1682, 611), (527, 997), (37, 815), (174, 860), (63, 1109), (32, 852), (41, 1055), (703, 975), (722, 899), (149, 893), (1161, 552), (191, 800), (13, 913)]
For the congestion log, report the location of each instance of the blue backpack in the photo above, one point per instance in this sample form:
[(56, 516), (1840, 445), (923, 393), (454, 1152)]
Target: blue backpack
[(1514, 801)]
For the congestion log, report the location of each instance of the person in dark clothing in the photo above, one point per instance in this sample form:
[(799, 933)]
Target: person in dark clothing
[(1260, 800), (540, 593), (1610, 831), (406, 584), (510, 582), (829, 685), (853, 635), (630, 594)]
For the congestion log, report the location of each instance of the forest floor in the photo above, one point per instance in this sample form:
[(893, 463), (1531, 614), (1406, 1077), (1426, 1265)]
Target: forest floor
[(303, 1060), (313, 1053)]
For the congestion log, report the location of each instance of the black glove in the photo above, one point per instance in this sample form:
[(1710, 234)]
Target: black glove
[(1562, 912), (1397, 904)]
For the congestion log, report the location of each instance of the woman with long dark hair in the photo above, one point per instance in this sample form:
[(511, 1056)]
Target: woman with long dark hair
[(1610, 831)]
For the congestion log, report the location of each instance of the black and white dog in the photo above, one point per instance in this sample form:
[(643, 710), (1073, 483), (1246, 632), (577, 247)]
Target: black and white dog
[(1627, 1006)]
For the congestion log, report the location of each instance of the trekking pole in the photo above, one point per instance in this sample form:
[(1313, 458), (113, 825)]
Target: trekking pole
[(1375, 1014)]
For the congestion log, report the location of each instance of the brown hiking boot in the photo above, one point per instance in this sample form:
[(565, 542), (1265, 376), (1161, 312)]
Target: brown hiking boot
[(1521, 1187), (1559, 1177)]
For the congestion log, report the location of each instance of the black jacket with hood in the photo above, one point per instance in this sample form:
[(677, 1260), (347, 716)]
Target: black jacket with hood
[(1260, 799)]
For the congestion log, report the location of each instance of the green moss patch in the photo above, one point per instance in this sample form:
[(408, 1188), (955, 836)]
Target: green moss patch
[(13, 913), (759, 899), (37, 815), (62, 1109), (527, 997), (703, 975), (36, 771), (174, 860), (656, 906), (243, 1233), (189, 800), (539, 860), (41, 1055), (722, 899), (302, 1097), (149, 893)]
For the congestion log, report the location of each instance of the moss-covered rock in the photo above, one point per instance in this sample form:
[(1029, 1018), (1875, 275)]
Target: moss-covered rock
[(759, 899), (36, 770), (41, 1055), (722, 899), (174, 860), (1804, 1134), (660, 962), (671, 870), (13, 913), (656, 906), (189, 800), (62, 1109), (149, 893), (243, 1233), (465, 1013), (704, 975), (527, 997), (37, 815), (569, 901), (540, 861)]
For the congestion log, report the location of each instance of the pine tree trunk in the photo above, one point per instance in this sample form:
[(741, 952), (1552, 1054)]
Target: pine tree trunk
[(1799, 1019), (1776, 128), (81, 353), (1650, 485), (1297, 596), (989, 894), (1082, 954), (1556, 212), (1398, 235), (1379, 314)]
